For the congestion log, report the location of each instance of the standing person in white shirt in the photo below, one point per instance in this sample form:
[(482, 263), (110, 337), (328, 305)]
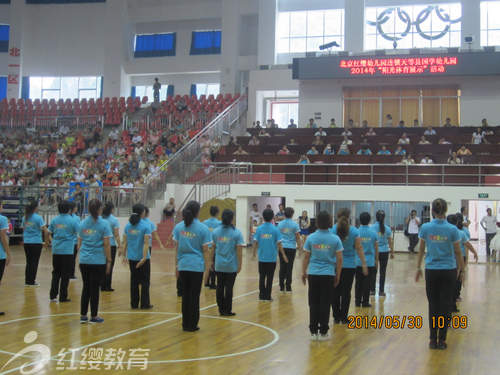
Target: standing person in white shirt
[(413, 222), (488, 222)]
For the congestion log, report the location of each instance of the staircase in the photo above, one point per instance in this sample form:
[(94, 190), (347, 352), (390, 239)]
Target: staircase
[(164, 230)]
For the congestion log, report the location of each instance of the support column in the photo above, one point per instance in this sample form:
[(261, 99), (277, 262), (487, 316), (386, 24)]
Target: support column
[(471, 23), (15, 53), (354, 20), (230, 47), (268, 13)]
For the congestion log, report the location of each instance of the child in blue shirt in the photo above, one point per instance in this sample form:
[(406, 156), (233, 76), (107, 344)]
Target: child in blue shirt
[(290, 231), (268, 240), (384, 245), (212, 223)]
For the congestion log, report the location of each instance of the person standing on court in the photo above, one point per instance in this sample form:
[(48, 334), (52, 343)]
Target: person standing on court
[(135, 251), (351, 243), (268, 240), (227, 247), (290, 231), (33, 226), (95, 259), (413, 223), (369, 241), (443, 255), (384, 245), (114, 242), (63, 229), (322, 266), (212, 223), (192, 258), (5, 255), (488, 223), (76, 218)]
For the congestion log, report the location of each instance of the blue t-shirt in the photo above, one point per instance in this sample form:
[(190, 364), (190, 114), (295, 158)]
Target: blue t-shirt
[(226, 239), (439, 237), (349, 253), (63, 229), (153, 229), (466, 230), (267, 236), (288, 228), (135, 239), (190, 245), (323, 246), (212, 223), (368, 240), (33, 228), (113, 223), (78, 222), (92, 233), (383, 239), (463, 240), (4, 224)]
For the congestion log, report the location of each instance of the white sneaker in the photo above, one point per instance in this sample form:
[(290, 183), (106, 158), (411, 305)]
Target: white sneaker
[(324, 337), (314, 337)]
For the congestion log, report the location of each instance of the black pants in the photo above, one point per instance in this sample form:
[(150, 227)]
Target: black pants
[(342, 294), (180, 287), (92, 275), (458, 288), (439, 285), (106, 282), (139, 276), (320, 296), (73, 261), (33, 252), (383, 260), (61, 272), (286, 269), (489, 237), (3, 262), (266, 275), (225, 284), (362, 287), (191, 282), (413, 237)]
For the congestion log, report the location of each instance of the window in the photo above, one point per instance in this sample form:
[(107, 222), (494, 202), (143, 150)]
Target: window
[(490, 23), (283, 111), (65, 87), (63, 1), (417, 26), (155, 45), (207, 89), (4, 38), (306, 31), (206, 42)]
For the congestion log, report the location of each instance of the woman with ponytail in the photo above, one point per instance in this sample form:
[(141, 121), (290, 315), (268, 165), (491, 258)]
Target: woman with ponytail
[(33, 226), (384, 244), (228, 250), (135, 248), (351, 243), (95, 259), (192, 258), (114, 241)]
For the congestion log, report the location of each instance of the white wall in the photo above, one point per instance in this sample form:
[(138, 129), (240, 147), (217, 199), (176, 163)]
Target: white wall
[(324, 97)]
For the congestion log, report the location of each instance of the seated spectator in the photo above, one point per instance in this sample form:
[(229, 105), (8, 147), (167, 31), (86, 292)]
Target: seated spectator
[(292, 142), (240, 151), (364, 151), (484, 123), (430, 131), (389, 121), (344, 150), (423, 141), (347, 132), (365, 141), (447, 124), (263, 133), (114, 134), (427, 160), (318, 141), (332, 123), (304, 160), (254, 141), (312, 151), (350, 124), (30, 129), (454, 159), (365, 124), (384, 151), (404, 140), (416, 123), (80, 176), (320, 132), (283, 151), (478, 137), (136, 138), (328, 150), (370, 132), (463, 151), (292, 124), (401, 124), (443, 141), (347, 141), (311, 124), (232, 142), (408, 160), (257, 125), (400, 151)]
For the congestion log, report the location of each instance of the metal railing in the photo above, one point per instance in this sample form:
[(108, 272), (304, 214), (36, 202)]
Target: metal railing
[(159, 121), (343, 174), (46, 123)]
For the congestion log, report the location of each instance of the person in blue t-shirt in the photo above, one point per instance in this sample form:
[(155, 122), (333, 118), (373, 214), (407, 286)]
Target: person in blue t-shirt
[(369, 241), (322, 266), (192, 258), (443, 255), (94, 236), (268, 240), (227, 247), (212, 223), (63, 229), (290, 231), (352, 245), (384, 245), (135, 249), (5, 255), (78, 220), (33, 226), (114, 242)]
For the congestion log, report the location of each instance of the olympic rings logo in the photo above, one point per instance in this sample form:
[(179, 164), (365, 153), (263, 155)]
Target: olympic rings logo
[(403, 16)]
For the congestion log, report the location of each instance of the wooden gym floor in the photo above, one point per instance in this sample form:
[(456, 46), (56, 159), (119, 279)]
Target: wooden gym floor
[(263, 338)]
